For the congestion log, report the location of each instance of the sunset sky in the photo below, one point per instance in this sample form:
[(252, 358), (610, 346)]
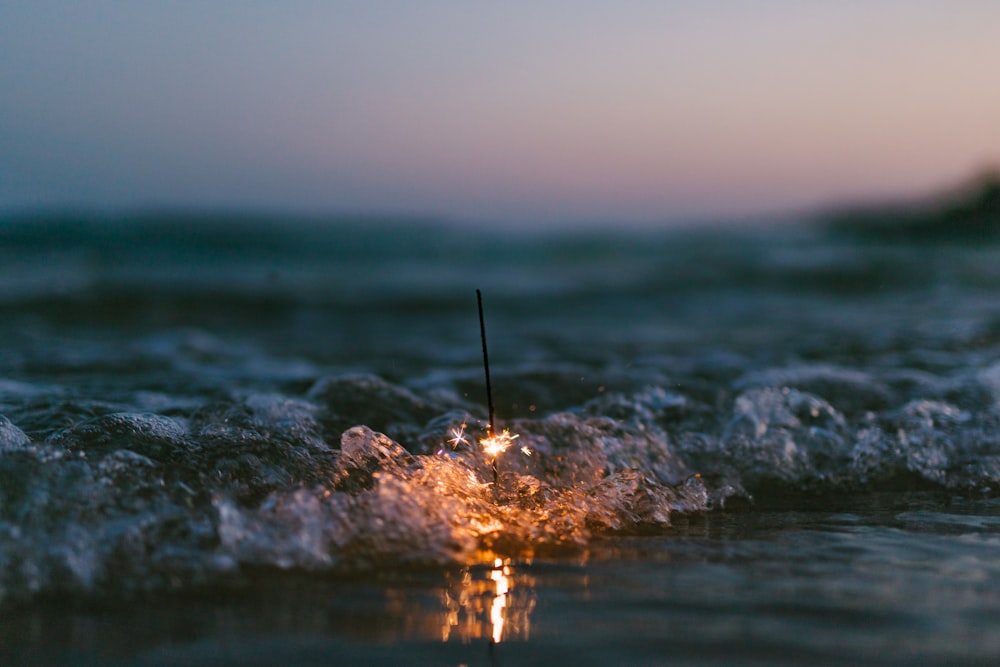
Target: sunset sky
[(635, 111)]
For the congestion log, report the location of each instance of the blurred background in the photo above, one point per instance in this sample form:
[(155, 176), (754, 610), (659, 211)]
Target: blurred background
[(637, 113), (757, 241)]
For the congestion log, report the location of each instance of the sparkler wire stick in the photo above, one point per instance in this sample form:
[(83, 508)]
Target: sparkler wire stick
[(489, 389), (486, 363)]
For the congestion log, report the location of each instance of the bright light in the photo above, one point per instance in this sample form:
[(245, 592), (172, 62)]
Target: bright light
[(500, 575), (458, 436), (498, 444)]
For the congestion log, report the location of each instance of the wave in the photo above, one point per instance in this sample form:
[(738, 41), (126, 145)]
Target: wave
[(127, 501)]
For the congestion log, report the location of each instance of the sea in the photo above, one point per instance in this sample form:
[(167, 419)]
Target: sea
[(258, 440)]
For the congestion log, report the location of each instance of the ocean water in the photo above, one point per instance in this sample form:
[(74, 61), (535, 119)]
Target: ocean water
[(249, 440)]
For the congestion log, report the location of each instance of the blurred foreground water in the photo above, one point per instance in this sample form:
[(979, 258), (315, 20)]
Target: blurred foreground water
[(256, 441)]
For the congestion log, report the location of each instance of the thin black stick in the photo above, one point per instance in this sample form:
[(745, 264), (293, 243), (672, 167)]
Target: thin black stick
[(489, 389), (486, 366)]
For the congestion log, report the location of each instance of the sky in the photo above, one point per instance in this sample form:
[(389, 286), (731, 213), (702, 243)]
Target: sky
[(636, 111)]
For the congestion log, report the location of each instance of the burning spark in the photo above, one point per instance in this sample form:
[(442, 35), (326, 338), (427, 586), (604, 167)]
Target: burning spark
[(526, 451), (499, 443), (458, 436)]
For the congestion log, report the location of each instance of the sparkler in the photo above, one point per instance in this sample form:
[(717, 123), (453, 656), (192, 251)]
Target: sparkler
[(486, 362), (493, 444)]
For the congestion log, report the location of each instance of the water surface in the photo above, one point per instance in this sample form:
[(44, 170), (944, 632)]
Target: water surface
[(248, 439)]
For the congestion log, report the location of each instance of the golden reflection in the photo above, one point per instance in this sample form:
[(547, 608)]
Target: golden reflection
[(494, 604), (501, 575)]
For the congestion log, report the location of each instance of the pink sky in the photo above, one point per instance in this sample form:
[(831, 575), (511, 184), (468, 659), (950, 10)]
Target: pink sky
[(591, 111)]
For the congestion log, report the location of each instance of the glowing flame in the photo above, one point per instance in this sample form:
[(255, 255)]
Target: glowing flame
[(498, 443)]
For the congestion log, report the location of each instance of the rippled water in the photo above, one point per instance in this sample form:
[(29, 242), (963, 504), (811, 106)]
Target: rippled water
[(259, 440)]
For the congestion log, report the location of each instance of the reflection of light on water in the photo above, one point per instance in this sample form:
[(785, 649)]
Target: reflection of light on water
[(496, 605), (500, 574)]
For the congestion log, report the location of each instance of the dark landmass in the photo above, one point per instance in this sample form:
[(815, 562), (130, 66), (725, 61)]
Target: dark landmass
[(966, 215)]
